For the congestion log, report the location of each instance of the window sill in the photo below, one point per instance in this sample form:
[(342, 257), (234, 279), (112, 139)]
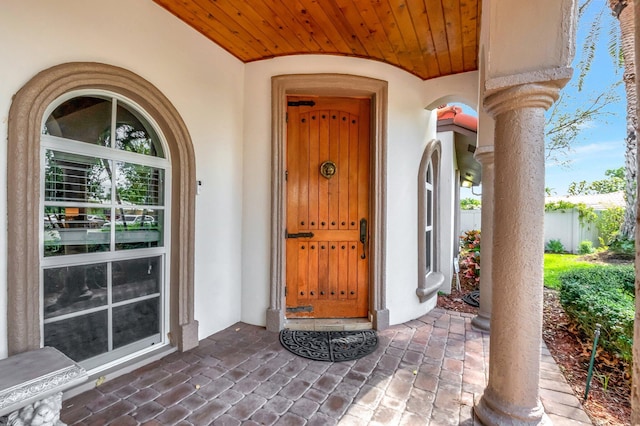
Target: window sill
[(429, 286)]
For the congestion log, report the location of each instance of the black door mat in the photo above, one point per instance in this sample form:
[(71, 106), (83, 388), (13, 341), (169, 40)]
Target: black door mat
[(330, 346)]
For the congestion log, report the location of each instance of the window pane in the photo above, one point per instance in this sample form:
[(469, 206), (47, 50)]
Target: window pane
[(427, 260), (73, 177), (135, 134), (136, 278), (84, 119), (79, 338), (138, 229), (135, 321), (429, 208), (137, 184), (72, 289), (74, 230)]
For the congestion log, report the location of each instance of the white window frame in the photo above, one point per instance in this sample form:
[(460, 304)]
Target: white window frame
[(48, 142)]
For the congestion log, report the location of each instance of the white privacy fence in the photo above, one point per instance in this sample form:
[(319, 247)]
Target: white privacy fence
[(567, 228), (470, 220), (561, 226)]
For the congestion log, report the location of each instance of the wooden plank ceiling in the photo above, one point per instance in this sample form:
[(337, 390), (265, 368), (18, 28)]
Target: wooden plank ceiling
[(428, 38)]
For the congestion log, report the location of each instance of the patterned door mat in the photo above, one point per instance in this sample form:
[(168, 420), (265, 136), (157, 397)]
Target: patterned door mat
[(331, 346)]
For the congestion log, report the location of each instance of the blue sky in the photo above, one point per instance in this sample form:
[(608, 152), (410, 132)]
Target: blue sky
[(600, 145)]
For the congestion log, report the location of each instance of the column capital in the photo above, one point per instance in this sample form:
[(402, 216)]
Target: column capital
[(538, 89), (484, 154)]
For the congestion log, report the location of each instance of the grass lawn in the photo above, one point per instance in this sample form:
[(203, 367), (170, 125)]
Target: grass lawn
[(555, 264)]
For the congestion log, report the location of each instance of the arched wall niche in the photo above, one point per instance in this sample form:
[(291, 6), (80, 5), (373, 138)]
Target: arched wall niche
[(430, 276)]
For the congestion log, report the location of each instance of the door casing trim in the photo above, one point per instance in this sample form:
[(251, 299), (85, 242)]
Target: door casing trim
[(343, 85)]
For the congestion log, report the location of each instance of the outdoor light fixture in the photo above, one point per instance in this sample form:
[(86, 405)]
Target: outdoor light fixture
[(466, 184)]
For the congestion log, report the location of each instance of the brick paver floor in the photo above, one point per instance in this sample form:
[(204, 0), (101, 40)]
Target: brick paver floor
[(424, 372)]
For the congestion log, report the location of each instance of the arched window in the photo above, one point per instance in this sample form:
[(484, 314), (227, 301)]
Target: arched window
[(430, 277), (106, 189), (101, 200)]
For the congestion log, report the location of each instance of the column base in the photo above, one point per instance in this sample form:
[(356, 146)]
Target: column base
[(275, 320), (188, 336), (381, 319), (489, 413), (481, 322)]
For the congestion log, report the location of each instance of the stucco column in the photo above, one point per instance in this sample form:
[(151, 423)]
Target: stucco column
[(518, 105), (482, 321)]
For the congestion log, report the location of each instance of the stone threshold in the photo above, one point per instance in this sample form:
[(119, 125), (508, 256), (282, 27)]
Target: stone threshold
[(328, 324)]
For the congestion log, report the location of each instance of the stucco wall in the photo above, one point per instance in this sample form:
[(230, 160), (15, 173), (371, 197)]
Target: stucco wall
[(226, 107), (201, 80)]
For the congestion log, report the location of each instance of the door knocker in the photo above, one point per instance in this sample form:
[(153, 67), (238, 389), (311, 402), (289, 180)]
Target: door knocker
[(328, 169)]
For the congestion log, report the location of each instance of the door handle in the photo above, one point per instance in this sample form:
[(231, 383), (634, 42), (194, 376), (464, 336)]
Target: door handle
[(299, 235), (363, 237)]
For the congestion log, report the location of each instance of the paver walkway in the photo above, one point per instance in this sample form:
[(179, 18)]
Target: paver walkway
[(424, 372)]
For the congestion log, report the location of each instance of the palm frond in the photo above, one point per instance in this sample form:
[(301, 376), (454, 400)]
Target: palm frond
[(589, 49), (614, 45), (583, 7)]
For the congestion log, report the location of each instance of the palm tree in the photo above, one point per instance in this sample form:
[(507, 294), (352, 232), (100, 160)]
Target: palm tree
[(623, 11), (622, 48)]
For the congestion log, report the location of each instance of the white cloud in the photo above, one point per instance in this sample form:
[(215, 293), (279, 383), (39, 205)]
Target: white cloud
[(598, 148)]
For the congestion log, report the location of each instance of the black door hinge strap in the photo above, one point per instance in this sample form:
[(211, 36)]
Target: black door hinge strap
[(301, 103)]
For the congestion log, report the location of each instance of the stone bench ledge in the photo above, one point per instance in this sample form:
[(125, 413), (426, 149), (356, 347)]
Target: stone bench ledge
[(31, 376)]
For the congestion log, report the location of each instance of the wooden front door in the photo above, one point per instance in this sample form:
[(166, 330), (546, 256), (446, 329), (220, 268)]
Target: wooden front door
[(327, 253)]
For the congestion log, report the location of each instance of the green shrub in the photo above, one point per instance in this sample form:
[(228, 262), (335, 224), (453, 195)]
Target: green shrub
[(586, 215), (559, 206), (624, 247), (619, 276), (470, 204), (554, 246), (604, 295), (608, 224), (586, 247)]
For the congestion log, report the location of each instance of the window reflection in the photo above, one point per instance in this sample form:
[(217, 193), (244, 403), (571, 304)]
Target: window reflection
[(134, 133), (136, 278), (75, 230), (80, 337), (138, 184), (84, 119), (135, 321), (72, 289), (73, 177), (88, 119)]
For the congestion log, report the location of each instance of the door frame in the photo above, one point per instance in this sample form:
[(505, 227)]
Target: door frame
[(343, 85)]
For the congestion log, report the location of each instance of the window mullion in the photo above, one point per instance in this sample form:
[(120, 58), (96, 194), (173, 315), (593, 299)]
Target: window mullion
[(114, 114), (114, 204), (110, 305)]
